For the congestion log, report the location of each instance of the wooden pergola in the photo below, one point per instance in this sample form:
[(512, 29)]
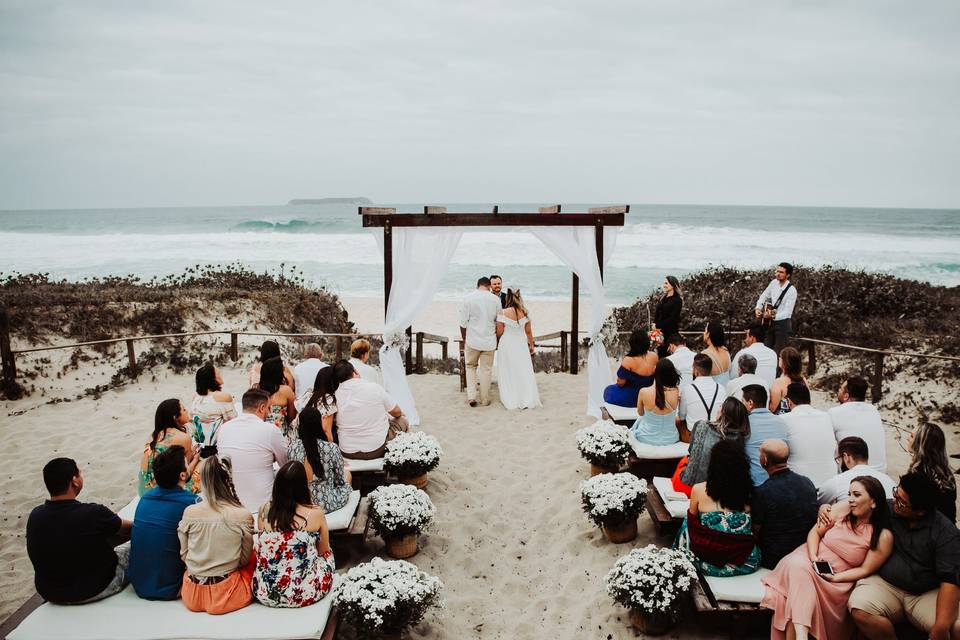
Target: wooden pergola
[(598, 218)]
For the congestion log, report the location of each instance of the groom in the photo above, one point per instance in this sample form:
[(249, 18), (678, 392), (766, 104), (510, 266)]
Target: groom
[(478, 319)]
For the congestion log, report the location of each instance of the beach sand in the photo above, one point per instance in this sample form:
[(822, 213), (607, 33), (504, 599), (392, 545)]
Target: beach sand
[(516, 554)]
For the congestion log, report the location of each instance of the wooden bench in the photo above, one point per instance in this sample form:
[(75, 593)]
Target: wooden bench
[(647, 468), (664, 524), (741, 619), (359, 525)]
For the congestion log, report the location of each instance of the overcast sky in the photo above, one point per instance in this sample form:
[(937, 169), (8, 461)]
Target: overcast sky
[(109, 104)]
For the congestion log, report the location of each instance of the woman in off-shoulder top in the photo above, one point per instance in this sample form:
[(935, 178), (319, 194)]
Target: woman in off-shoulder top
[(211, 406), (635, 372)]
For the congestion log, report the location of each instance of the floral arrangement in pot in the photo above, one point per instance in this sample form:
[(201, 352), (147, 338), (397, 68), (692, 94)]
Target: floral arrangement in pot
[(614, 501), (383, 597), (410, 456), (399, 513), (652, 582), (605, 445)]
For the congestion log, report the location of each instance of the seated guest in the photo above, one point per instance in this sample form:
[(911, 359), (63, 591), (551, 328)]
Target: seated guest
[(716, 341), (216, 539), (367, 417), (270, 349), (808, 603), (763, 426), (360, 358), (765, 356), (253, 445), (323, 399), (156, 570), (919, 582), (731, 424), (853, 455), (69, 541), (929, 449), (701, 399), (857, 417), (746, 367), (811, 436), (327, 476), (657, 406), (169, 429), (635, 372), (791, 366), (306, 372), (282, 406), (211, 406), (784, 507), (718, 527), (294, 563), (681, 357)]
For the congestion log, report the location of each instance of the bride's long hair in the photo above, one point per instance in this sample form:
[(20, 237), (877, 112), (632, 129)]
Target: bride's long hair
[(514, 301)]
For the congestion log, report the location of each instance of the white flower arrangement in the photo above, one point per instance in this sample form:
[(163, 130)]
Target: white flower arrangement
[(386, 596), (399, 509), (651, 579), (412, 454), (397, 340), (612, 499), (604, 443), (609, 333)]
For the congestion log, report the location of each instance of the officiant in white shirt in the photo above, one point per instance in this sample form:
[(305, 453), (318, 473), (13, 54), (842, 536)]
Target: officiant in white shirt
[(478, 318)]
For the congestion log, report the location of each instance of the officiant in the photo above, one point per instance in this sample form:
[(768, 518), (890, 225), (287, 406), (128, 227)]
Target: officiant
[(667, 315)]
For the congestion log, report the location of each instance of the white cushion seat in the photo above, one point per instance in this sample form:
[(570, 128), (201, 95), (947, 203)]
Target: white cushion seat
[(746, 588), (676, 503), (364, 465), (340, 519), (618, 413), (657, 452)]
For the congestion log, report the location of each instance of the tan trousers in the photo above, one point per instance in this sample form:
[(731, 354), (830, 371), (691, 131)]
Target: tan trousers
[(396, 425), (479, 364)]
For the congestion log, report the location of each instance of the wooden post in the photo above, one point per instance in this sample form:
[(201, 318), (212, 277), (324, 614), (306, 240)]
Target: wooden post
[(575, 326), (811, 358), (339, 348), (877, 392), (598, 233), (387, 263), (7, 358), (132, 359), (463, 366), (234, 346), (563, 351), (420, 352), (409, 350), (443, 345)]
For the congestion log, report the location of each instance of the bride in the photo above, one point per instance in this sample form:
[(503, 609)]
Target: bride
[(518, 387)]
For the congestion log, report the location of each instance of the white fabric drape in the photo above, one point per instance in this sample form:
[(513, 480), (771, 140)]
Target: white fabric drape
[(576, 247), (420, 259)]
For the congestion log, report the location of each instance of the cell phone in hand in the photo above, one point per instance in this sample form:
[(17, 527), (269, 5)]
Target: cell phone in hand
[(823, 567)]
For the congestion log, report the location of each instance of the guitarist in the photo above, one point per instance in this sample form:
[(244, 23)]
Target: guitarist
[(775, 306)]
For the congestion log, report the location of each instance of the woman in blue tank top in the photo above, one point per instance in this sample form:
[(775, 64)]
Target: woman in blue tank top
[(657, 405)]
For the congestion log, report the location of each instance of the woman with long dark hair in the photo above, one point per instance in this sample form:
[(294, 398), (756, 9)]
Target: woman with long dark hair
[(928, 446), (270, 349), (211, 406), (666, 317), (855, 547), (327, 476), (294, 562), (657, 406), (323, 398), (716, 340), (169, 428), (282, 408), (635, 372), (791, 366), (718, 529)]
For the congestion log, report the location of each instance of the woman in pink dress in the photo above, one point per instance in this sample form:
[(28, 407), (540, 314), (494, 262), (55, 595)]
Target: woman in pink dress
[(807, 603)]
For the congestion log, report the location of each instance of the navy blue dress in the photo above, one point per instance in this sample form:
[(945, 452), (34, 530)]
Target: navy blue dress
[(626, 396)]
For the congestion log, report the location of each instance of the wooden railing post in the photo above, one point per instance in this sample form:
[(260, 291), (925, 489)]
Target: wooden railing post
[(563, 351), (443, 346), (7, 358), (877, 392), (463, 366), (132, 359), (409, 363), (339, 348), (234, 346), (811, 358), (419, 351)]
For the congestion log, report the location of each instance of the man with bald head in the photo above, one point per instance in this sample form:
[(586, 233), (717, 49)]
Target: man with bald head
[(784, 507)]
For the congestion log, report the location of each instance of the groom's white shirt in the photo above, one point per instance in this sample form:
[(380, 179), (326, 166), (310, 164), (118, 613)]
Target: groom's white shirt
[(478, 314)]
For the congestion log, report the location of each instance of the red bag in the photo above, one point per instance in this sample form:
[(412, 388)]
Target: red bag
[(677, 482)]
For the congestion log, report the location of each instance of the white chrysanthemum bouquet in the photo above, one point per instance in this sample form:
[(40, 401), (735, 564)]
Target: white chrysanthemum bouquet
[(651, 580), (399, 509), (613, 499), (412, 454), (386, 596), (604, 443)]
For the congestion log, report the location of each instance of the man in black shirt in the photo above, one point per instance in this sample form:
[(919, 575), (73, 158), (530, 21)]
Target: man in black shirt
[(69, 541), (784, 507)]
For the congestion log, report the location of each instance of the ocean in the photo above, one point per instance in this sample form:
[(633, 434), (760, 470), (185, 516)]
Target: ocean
[(330, 248)]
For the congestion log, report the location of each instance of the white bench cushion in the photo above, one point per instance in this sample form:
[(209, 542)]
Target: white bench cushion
[(127, 617), (340, 519), (746, 588), (364, 465), (676, 503), (655, 452), (621, 413)]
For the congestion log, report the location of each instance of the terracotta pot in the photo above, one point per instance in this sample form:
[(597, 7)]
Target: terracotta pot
[(596, 470), (621, 533), (401, 547), (419, 481), (651, 624)]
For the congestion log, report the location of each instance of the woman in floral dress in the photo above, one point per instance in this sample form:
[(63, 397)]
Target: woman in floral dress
[(294, 566), (169, 428), (282, 409)]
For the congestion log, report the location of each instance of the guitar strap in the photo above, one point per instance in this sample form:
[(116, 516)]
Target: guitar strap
[(703, 401), (782, 293)]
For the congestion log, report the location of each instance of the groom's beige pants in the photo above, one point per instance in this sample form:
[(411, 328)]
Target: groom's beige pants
[(479, 363)]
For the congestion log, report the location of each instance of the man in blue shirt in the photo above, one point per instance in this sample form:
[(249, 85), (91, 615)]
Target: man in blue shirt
[(156, 570), (763, 426)]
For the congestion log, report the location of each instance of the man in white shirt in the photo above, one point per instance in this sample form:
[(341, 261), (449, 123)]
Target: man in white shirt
[(854, 460), (782, 296), (478, 320), (681, 357), (702, 398), (367, 417), (305, 373), (765, 356), (252, 445), (811, 436), (857, 417), (359, 358), (746, 367)]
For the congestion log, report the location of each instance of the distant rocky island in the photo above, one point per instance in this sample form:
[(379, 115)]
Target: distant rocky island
[(330, 201)]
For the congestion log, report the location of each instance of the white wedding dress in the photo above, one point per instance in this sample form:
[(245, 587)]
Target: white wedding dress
[(515, 379)]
